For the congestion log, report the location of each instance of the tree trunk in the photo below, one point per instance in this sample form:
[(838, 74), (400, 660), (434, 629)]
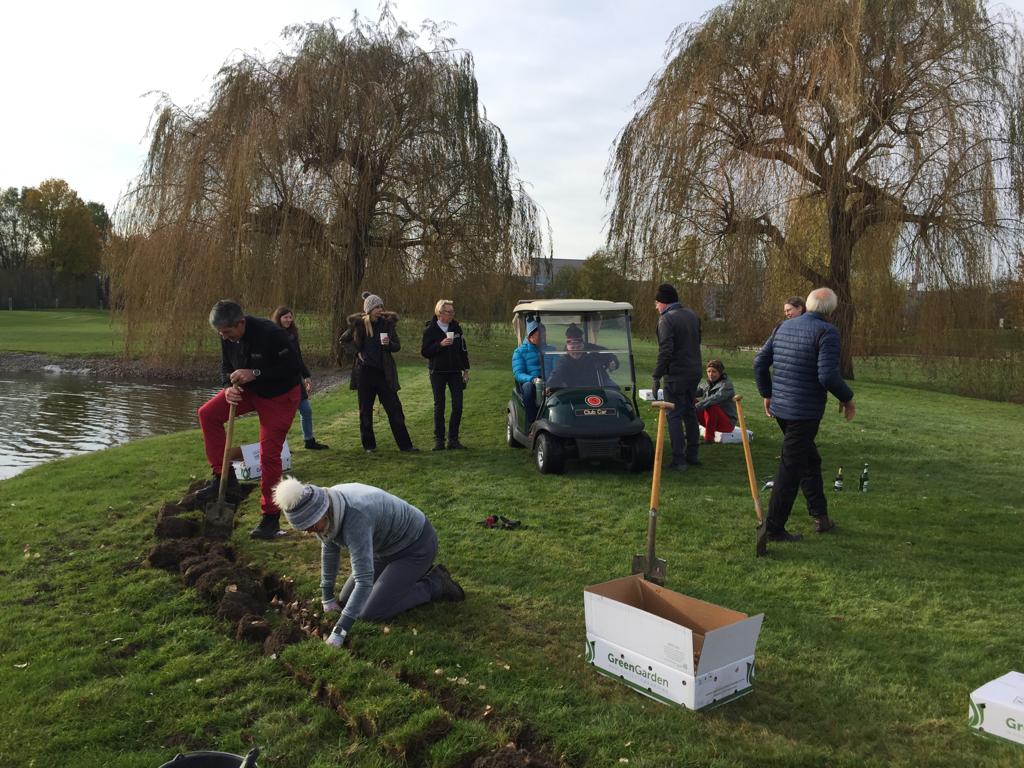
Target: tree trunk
[(351, 268), (841, 246)]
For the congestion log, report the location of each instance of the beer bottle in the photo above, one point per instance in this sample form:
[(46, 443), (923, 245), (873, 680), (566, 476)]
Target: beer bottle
[(864, 479), (838, 484)]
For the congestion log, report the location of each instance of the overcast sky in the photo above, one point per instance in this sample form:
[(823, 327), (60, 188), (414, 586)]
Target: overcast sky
[(558, 77)]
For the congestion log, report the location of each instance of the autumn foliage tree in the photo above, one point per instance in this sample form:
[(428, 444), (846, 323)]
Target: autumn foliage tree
[(896, 116), (347, 156), (51, 227)]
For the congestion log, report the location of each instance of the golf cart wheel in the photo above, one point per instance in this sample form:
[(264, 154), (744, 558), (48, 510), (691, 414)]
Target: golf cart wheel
[(641, 453), (549, 455), (510, 435)]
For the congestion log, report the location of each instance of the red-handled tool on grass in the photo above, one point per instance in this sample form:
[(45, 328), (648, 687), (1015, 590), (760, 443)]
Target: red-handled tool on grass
[(762, 527), (220, 514), (652, 567)]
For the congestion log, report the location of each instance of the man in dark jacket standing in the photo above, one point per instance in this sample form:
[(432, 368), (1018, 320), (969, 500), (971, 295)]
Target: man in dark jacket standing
[(679, 367), (803, 353), (259, 372)]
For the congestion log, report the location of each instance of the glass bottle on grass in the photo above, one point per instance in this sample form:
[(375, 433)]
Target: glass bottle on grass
[(864, 479), (838, 484)]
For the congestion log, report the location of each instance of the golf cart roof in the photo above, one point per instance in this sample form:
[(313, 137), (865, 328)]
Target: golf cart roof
[(547, 306)]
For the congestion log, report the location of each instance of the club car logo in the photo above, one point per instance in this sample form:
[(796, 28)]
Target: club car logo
[(593, 407)]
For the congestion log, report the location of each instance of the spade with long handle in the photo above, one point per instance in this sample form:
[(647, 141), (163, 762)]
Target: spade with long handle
[(220, 513), (652, 567), (762, 526)]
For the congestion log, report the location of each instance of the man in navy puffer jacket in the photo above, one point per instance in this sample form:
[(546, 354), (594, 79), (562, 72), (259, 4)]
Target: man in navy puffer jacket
[(803, 354)]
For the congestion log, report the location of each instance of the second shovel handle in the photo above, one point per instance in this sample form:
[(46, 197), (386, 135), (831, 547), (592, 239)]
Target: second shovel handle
[(750, 462)]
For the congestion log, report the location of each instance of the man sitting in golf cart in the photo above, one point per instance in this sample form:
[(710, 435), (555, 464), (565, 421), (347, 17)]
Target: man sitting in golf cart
[(579, 368)]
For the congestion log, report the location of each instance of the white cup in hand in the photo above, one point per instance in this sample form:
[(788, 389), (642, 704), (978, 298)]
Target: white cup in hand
[(384, 338), (451, 335)]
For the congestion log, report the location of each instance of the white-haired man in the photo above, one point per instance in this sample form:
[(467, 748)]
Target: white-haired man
[(803, 355)]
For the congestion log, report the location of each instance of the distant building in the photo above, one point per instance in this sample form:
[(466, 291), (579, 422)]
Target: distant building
[(543, 271)]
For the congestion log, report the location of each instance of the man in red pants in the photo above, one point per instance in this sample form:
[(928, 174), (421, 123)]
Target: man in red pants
[(260, 372)]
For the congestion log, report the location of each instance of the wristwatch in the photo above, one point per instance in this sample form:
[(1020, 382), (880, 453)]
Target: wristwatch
[(255, 372)]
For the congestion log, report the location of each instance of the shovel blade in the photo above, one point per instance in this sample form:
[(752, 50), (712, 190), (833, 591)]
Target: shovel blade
[(220, 513), (653, 572), (762, 539)]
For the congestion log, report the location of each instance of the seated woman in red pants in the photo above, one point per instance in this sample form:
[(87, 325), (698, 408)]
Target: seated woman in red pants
[(716, 411)]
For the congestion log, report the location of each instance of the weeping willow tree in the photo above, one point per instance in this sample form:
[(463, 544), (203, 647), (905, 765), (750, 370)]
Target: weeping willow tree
[(344, 156), (904, 115)]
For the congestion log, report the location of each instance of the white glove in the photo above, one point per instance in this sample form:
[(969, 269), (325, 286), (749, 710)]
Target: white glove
[(337, 639), (332, 606)]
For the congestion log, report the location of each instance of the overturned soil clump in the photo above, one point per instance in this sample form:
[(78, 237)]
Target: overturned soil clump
[(284, 634), (510, 757)]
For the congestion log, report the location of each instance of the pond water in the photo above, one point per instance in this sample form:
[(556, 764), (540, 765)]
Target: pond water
[(52, 414)]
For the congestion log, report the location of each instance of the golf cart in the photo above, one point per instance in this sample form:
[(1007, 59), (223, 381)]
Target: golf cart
[(586, 398)]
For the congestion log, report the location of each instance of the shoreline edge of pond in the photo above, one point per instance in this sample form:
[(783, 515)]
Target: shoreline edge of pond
[(199, 373)]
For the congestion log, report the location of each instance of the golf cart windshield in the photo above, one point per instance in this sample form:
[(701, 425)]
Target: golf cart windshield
[(589, 349)]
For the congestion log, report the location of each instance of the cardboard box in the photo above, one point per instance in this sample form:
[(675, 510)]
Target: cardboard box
[(673, 648), (736, 436), (997, 708), (249, 467)]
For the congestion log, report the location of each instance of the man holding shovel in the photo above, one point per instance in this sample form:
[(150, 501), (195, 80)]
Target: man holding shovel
[(260, 372), (803, 354)]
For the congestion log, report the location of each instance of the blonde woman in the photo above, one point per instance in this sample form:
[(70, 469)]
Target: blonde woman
[(444, 346)]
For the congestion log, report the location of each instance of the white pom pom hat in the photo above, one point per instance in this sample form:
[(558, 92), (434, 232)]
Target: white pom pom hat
[(303, 505)]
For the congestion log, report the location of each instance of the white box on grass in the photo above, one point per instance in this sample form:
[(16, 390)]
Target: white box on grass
[(249, 467), (673, 648), (736, 436), (997, 708)]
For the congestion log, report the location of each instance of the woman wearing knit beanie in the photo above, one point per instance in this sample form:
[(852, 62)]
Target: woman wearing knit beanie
[(391, 546), (372, 336)]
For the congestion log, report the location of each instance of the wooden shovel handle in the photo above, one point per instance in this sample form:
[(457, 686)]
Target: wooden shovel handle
[(659, 443), (750, 462), (225, 466)]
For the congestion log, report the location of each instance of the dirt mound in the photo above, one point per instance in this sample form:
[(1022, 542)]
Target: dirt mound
[(177, 528), (253, 628), (236, 605), (285, 634), (168, 554), (510, 757)]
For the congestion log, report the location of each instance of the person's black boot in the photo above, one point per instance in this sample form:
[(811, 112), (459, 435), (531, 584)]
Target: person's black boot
[(438, 444), (269, 528), (313, 445), (824, 524), (448, 588), (455, 445), (210, 491)]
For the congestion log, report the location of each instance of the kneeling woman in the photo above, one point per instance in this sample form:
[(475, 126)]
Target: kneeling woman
[(391, 547), (716, 410)]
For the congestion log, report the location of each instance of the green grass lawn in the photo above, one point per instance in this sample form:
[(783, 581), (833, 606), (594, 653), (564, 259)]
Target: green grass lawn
[(873, 639), (85, 332)]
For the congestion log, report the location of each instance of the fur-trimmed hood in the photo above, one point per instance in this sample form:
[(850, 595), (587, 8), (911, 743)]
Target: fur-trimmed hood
[(388, 315)]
